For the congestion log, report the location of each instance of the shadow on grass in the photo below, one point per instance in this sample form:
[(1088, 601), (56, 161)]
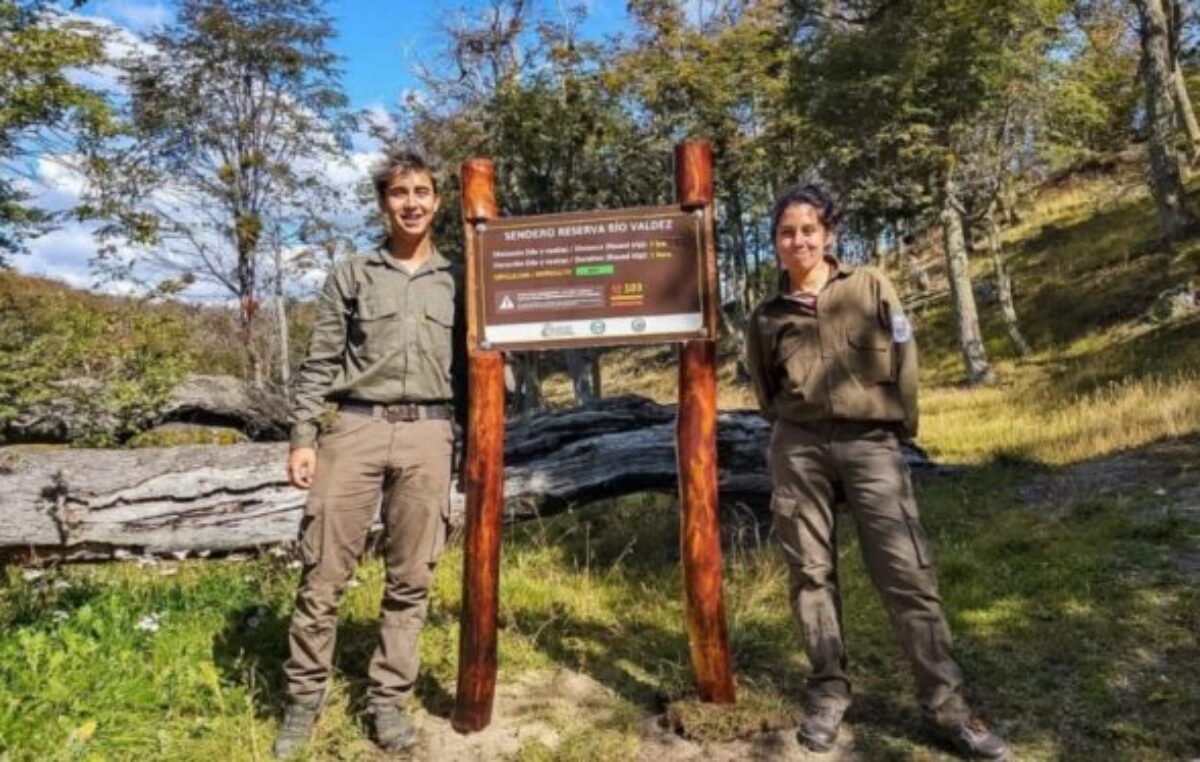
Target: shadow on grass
[(1076, 633), (1071, 627), (253, 646)]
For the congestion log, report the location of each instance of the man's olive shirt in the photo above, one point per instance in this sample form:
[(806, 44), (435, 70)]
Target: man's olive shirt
[(383, 335)]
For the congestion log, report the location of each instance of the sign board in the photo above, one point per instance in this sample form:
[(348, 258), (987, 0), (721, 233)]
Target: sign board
[(620, 276)]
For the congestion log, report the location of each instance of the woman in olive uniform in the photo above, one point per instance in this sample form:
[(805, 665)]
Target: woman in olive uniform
[(834, 368)]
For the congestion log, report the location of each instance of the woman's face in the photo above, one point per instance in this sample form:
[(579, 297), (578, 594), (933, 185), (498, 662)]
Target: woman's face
[(801, 240)]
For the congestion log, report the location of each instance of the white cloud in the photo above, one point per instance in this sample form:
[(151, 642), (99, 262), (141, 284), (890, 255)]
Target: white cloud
[(66, 253), (140, 17), (63, 255), (59, 186)]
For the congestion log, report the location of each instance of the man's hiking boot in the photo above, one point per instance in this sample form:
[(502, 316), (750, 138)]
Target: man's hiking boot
[(973, 740), (294, 731), (394, 731), (819, 728)]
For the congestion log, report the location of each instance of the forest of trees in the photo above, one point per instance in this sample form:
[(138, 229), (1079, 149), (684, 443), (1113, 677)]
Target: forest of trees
[(930, 119)]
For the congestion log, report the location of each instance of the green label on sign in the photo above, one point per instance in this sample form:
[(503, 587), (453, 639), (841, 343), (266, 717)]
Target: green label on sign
[(605, 269)]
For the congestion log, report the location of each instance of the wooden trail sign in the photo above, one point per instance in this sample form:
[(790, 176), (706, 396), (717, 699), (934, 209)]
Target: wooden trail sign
[(553, 281), (619, 276)]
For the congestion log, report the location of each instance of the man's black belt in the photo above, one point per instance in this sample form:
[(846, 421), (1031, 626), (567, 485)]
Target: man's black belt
[(399, 411)]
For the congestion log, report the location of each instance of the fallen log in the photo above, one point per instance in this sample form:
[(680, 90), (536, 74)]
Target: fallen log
[(86, 504)]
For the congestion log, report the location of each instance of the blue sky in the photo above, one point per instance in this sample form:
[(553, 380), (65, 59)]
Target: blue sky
[(382, 42)]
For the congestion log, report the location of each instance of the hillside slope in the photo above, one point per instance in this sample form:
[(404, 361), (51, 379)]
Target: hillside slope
[(1068, 559)]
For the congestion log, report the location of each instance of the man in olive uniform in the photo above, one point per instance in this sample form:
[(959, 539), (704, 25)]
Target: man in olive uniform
[(834, 368), (388, 347)]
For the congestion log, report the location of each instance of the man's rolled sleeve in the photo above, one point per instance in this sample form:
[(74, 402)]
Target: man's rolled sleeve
[(317, 374)]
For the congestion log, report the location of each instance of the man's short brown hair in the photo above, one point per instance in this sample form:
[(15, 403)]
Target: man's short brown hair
[(401, 162)]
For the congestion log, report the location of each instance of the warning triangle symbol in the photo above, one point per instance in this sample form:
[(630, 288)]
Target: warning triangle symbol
[(507, 303)]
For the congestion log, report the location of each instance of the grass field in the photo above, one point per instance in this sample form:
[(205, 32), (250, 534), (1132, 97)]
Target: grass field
[(1076, 621)]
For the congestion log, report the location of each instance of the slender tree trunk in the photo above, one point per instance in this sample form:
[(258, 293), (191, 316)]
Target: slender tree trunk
[(877, 252), (285, 370), (970, 337), (597, 373), (907, 254), (739, 315), (529, 389), (579, 368), (1187, 115), (1004, 288), (1166, 181)]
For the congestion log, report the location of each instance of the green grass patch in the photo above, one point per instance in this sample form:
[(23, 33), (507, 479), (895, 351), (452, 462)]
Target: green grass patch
[(1077, 635)]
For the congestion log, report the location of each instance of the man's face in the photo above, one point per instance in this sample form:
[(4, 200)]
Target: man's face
[(801, 240), (410, 203)]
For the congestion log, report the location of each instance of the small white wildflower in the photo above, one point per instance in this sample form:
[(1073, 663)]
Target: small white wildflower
[(276, 551), (60, 616), (257, 618), (353, 583), (180, 555), (122, 555), (32, 574), (204, 554), (294, 565), (149, 623)]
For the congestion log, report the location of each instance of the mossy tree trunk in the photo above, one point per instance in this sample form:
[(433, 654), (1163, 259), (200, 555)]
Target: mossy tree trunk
[(966, 315), (1004, 287), (1166, 178)]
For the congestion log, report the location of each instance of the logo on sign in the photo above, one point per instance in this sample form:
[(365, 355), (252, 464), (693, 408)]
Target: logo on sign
[(638, 325), (557, 331), (507, 303), (597, 327)]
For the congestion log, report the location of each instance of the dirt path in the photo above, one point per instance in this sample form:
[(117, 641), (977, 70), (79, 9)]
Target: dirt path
[(1165, 476)]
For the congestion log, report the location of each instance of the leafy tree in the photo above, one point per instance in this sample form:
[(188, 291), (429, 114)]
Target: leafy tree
[(723, 76), (1095, 94), (42, 111), (233, 112), (528, 93), (907, 97)]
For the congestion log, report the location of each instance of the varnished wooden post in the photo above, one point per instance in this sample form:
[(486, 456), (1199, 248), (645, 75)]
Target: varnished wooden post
[(696, 450), (484, 479)]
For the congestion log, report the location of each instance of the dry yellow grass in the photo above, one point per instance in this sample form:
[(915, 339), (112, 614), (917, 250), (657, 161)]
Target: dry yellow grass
[(1029, 420)]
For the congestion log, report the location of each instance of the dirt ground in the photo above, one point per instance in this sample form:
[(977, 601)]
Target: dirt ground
[(542, 706)]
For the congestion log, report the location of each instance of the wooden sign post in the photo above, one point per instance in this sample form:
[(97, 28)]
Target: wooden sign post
[(600, 278), (484, 476), (696, 450)]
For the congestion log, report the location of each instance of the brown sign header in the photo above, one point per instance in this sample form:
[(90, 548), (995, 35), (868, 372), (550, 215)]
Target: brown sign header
[(620, 276)]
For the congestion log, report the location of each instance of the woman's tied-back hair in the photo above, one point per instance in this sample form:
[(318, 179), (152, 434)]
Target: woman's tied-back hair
[(807, 193), (400, 162)]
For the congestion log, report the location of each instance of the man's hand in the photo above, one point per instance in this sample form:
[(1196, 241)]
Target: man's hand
[(302, 462)]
